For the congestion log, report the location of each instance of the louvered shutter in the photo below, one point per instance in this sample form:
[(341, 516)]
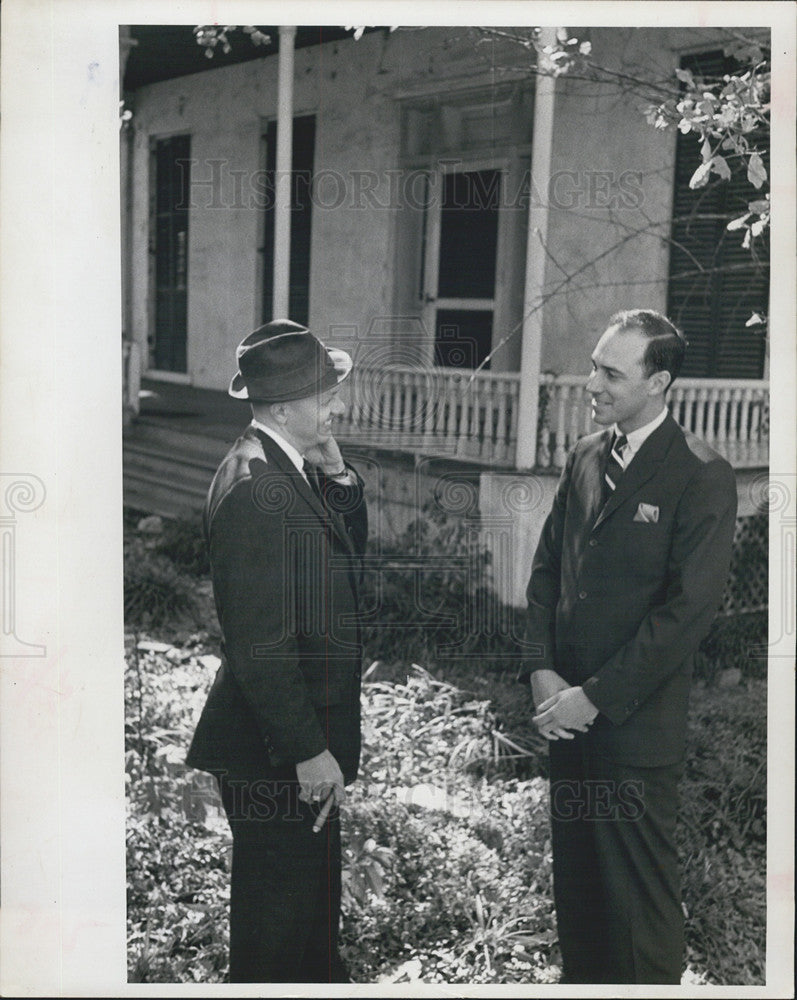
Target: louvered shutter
[(712, 306)]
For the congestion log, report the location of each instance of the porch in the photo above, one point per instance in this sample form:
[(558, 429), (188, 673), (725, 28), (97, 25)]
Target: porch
[(181, 432)]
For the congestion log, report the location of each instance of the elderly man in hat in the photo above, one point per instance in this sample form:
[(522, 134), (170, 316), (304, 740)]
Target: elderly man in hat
[(285, 523)]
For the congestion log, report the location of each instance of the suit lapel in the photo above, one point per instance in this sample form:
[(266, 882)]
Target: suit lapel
[(644, 465), (304, 491)]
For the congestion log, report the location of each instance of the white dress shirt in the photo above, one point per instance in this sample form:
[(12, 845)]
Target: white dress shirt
[(635, 439)]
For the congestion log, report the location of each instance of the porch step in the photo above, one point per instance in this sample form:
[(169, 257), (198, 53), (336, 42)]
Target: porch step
[(167, 471)]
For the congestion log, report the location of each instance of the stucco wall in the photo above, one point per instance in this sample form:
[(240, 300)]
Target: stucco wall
[(612, 179), (352, 87)]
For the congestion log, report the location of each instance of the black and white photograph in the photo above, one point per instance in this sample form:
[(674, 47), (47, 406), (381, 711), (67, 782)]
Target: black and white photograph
[(414, 427)]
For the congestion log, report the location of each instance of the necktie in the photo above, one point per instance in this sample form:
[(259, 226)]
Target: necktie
[(311, 476), (615, 465)]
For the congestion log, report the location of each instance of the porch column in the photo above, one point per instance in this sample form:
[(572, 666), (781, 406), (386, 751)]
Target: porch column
[(531, 344), (131, 349), (282, 192)]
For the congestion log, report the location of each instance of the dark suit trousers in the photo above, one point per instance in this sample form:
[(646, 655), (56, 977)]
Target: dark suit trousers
[(285, 887), (616, 870)]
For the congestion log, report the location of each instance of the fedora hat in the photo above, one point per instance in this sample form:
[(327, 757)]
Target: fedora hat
[(282, 361)]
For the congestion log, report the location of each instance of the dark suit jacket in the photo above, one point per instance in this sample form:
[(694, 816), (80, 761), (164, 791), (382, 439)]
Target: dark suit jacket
[(285, 570), (619, 605)]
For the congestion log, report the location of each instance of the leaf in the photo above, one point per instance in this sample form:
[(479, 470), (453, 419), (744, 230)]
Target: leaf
[(705, 150), (738, 223), (685, 76), (755, 320), (699, 178), (720, 166), (561, 34), (760, 206), (756, 171)]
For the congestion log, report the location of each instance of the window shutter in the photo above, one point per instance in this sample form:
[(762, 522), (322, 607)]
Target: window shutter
[(713, 305)]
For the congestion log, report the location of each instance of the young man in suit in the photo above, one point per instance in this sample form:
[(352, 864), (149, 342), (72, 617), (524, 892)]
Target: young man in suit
[(285, 521), (627, 577)]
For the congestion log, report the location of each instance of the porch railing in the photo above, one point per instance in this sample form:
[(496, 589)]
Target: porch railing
[(450, 413), (731, 415), (444, 412)]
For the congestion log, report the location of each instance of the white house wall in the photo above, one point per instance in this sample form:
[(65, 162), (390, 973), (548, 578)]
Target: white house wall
[(353, 87), (613, 175)]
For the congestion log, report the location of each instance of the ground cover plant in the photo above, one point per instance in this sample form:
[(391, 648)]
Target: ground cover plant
[(447, 859)]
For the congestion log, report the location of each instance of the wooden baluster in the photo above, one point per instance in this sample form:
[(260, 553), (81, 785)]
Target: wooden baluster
[(469, 395), (512, 431), (430, 403), (460, 416), (734, 407), (560, 444), (722, 421), (709, 427), (587, 423), (440, 410), (502, 430), (690, 395), (674, 405), (576, 396), (480, 400), (756, 414), (744, 426)]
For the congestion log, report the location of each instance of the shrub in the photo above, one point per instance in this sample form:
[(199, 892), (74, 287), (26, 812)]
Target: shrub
[(736, 641), (722, 834), (431, 600), (183, 542), (154, 591)]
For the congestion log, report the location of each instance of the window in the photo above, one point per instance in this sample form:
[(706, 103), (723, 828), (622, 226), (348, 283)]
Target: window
[(715, 283), (461, 233), (170, 202), (301, 219)]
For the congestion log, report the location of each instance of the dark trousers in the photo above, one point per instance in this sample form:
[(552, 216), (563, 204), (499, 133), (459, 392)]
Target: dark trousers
[(615, 864), (285, 887)]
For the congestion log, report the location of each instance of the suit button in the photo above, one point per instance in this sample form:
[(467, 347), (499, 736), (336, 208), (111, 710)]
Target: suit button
[(583, 595), (593, 542)]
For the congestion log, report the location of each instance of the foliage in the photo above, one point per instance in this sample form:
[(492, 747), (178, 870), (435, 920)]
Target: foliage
[(735, 642), (209, 36), (177, 843), (722, 834), (154, 589), (728, 116), (447, 864), (183, 542), (430, 597)]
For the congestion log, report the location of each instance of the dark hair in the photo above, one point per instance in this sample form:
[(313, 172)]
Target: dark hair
[(666, 344)]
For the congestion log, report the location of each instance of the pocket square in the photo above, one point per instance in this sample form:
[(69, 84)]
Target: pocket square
[(647, 513)]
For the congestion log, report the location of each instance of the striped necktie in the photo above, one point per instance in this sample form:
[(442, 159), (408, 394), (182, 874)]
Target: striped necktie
[(615, 465)]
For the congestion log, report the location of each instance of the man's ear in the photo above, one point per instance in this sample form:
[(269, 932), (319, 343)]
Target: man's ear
[(278, 413), (658, 383)]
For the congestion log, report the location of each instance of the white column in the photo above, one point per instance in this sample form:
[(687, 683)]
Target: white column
[(282, 193), (542, 142)]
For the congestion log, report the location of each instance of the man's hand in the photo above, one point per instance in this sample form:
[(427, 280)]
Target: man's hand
[(563, 711), (545, 684), (319, 777), (327, 455)]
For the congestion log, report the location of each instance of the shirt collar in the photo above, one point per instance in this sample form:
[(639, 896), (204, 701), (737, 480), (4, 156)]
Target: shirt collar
[(637, 438), (286, 446)]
